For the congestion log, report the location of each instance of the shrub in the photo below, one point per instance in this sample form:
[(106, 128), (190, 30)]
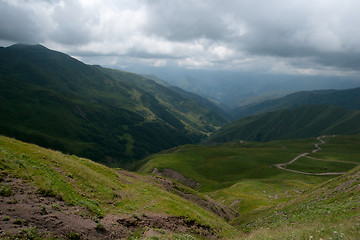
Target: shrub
[(30, 233), (100, 227), (73, 236), (56, 207), (17, 221), (43, 210), (5, 191)]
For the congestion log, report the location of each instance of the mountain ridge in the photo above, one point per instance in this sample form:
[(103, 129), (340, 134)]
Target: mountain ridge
[(302, 122), (54, 100), (349, 98)]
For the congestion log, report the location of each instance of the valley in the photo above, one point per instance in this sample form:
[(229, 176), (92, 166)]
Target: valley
[(259, 192), (88, 152), (70, 196), (111, 116)]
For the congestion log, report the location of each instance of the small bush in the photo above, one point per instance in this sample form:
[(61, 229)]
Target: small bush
[(17, 221), (56, 207), (73, 236), (6, 218), (5, 191), (30, 233), (46, 192), (43, 210), (100, 227)]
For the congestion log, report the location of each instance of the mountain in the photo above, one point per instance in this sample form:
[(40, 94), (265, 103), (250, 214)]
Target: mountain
[(308, 198), (186, 107), (220, 166), (232, 89), (48, 195), (328, 211), (349, 98), (111, 116), (45, 194), (302, 122), (202, 101)]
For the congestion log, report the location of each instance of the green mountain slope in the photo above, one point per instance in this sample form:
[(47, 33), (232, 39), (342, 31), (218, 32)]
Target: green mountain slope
[(45, 194), (329, 211), (349, 98), (110, 116), (220, 166), (188, 108), (243, 170), (301, 122), (202, 101), (58, 189), (273, 203)]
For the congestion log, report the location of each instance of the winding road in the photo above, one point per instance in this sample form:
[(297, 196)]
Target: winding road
[(317, 148)]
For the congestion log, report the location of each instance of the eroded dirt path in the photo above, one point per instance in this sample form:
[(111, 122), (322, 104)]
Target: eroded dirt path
[(283, 166)]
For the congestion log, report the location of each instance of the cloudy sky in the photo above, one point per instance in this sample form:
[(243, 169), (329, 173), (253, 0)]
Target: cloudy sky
[(298, 37)]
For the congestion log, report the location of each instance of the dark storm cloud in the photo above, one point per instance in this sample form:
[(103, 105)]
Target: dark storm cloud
[(185, 20), (16, 24), (289, 36)]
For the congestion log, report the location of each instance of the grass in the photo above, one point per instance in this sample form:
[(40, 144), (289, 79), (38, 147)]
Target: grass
[(111, 116), (340, 147), (5, 190), (315, 166), (273, 203), (220, 166), (99, 189), (301, 122), (348, 229), (331, 210), (249, 196), (338, 154)]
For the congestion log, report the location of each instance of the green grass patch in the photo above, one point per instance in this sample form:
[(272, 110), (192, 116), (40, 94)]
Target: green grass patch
[(220, 166), (343, 148), (99, 189), (309, 165), (332, 206)]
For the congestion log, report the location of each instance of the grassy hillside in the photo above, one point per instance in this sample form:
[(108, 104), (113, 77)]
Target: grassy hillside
[(220, 166), (106, 199), (243, 174), (186, 107), (272, 203), (114, 117), (301, 122), (45, 194), (202, 101), (330, 211), (349, 98)]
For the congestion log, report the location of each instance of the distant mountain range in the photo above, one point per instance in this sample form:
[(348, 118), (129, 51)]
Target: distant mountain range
[(301, 122), (111, 116), (298, 115), (232, 89), (349, 98)]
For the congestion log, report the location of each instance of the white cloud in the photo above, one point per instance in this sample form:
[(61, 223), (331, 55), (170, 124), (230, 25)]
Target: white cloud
[(300, 37)]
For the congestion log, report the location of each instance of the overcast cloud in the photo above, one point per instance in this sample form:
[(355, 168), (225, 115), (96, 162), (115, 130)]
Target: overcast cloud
[(318, 37)]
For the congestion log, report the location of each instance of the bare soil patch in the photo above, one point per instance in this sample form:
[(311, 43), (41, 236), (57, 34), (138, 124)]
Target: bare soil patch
[(25, 208)]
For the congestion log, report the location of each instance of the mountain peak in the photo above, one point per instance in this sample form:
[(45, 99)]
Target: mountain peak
[(27, 46)]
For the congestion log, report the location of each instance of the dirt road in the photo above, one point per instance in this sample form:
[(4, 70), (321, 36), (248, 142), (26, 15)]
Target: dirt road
[(317, 148)]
